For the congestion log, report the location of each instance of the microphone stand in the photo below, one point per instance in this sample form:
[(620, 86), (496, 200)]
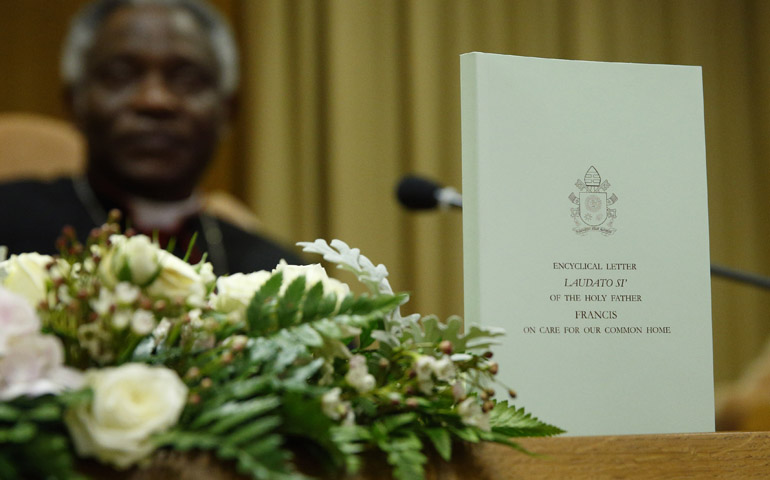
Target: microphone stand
[(739, 276)]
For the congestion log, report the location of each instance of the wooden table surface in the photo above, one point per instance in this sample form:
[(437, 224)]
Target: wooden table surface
[(739, 455), (678, 456)]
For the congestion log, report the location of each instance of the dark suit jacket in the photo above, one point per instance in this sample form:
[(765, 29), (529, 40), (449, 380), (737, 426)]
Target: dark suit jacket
[(33, 213)]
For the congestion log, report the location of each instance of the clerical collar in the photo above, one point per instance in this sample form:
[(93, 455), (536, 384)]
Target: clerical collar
[(151, 215), (145, 214)]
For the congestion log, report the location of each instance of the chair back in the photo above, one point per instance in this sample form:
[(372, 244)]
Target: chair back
[(38, 146)]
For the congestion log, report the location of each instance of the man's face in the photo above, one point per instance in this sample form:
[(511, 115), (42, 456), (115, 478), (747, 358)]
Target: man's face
[(150, 104)]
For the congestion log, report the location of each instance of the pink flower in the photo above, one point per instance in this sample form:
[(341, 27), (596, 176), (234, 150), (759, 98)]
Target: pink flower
[(32, 366), (30, 363), (17, 318)]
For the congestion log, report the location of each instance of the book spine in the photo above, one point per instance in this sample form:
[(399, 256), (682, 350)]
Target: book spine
[(469, 105)]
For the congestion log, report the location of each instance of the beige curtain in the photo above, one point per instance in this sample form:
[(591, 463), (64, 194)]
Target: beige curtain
[(342, 97)]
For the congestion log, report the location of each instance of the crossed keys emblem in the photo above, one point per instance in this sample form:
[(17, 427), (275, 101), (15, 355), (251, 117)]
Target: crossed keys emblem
[(593, 212)]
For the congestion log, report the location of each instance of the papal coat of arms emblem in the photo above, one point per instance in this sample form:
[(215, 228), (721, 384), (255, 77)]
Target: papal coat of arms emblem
[(593, 212)]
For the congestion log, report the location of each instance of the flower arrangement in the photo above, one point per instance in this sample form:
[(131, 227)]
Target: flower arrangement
[(115, 349)]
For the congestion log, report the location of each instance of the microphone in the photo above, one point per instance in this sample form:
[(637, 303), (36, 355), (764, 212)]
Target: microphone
[(419, 193), (740, 276)]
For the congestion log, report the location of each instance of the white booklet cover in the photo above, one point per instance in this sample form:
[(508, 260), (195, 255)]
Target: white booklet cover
[(585, 231)]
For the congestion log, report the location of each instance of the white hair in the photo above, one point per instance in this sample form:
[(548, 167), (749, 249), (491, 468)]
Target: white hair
[(85, 24)]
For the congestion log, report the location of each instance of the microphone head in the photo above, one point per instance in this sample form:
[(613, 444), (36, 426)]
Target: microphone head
[(417, 193)]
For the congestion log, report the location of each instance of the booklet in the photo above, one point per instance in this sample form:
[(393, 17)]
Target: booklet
[(585, 231)]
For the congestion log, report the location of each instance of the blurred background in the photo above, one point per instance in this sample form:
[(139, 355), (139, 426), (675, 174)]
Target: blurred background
[(340, 98)]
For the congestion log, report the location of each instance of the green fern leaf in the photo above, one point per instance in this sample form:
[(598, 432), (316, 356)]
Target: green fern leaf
[(327, 306), (247, 388), (395, 422), (441, 441), (312, 301), (405, 456), (257, 313), (253, 430), (306, 335), (513, 422), (185, 441), (231, 413), (299, 377), (465, 433), (287, 309), (8, 413)]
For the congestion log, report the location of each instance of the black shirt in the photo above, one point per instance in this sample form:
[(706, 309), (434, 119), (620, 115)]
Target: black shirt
[(33, 214)]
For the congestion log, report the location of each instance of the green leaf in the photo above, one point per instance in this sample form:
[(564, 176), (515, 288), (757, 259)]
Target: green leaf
[(312, 301), (386, 303), (254, 429), (46, 412), (189, 440), (327, 306), (513, 422), (328, 328), (301, 375), (441, 440), (307, 335), (394, 422), (406, 457), (266, 446), (190, 247), (361, 304), (350, 435), (476, 337), (465, 433), (257, 313), (231, 413), (346, 303), (287, 354), (124, 274), (366, 406), (19, 433), (7, 468), (247, 388), (261, 350), (366, 338), (8, 413), (50, 456), (288, 305)]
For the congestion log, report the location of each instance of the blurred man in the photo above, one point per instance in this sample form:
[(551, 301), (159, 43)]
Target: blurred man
[(151, 84)]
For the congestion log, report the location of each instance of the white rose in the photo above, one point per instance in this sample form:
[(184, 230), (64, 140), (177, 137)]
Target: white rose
[(130, 404), (133, 259), (32, 365), (17, 318), (234, 292), (26, 274), (179, 279), (313, 274)]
